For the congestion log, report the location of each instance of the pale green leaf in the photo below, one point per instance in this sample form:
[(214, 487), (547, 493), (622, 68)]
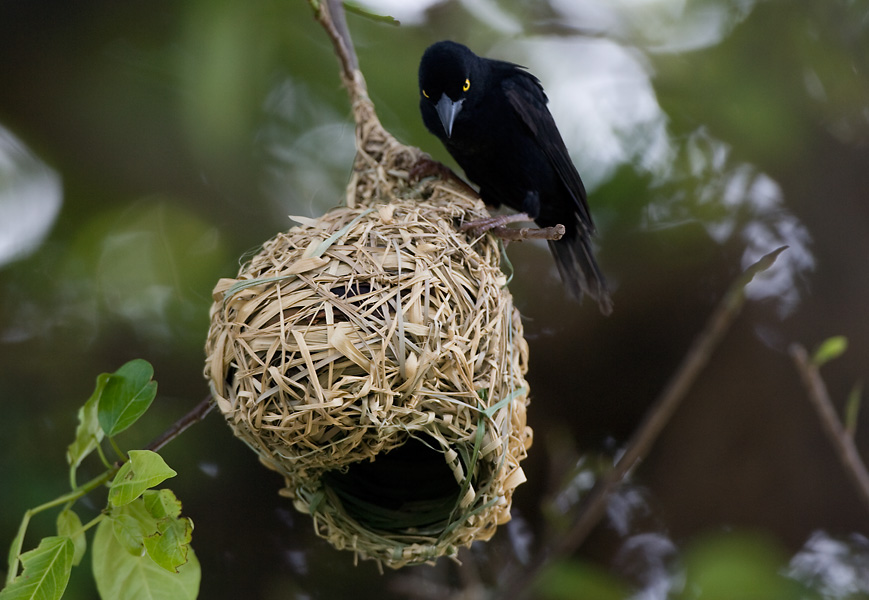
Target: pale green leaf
[(162, 503), (129, 533), (736, 566), (127, 395), (88, 433), (829, 349), (131, 523), (69, 525), (574, 580), (151, 524), (352, 7), (15, 547), (46, 571), (170, 545), (122, 576), (144, 470)]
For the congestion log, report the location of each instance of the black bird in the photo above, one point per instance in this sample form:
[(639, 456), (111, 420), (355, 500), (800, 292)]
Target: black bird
[(492, 117)]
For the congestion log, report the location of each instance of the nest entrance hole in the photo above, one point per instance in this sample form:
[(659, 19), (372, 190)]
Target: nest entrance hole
[(408, 488)]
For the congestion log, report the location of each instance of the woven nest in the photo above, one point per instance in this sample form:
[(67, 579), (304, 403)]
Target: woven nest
[(374, 358)]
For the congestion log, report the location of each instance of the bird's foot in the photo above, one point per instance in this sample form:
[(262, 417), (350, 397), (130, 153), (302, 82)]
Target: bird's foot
[(426, 166), (498, 226)]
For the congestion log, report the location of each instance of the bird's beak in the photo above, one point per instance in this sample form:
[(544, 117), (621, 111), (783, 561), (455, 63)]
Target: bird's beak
[(447, 111)]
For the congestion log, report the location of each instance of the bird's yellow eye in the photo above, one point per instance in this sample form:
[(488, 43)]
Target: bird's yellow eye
[(424, 94), (467, 85)]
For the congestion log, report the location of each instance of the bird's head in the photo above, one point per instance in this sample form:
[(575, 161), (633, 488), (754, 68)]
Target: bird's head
[(447, 78)]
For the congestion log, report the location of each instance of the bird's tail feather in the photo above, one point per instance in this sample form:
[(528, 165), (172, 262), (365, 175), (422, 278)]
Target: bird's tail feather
[(579, 270)]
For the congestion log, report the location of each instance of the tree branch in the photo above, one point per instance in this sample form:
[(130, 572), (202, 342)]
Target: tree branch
[(843, 443), (512, 234), (330, 14), (197, 414), (657, 416)]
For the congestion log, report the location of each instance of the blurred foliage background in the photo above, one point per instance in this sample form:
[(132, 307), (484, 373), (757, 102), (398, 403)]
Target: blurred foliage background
[(145, 147)]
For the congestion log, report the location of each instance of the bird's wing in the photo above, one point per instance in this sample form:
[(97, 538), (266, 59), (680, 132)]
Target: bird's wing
[(527, 98)]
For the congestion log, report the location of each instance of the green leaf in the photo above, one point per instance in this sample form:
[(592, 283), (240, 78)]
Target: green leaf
[(130, 532), (162, 503), (127, 395), (575, 580), (122, 576), (151, 524), (88, 433), (131, 524), (15, 548), (829, 349), (170, 545), (46, 571), (144, 470), (352, 7), (69, 525), (736, 565)]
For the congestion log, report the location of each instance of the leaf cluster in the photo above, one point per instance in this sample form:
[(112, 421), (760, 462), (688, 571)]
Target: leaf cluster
[(141, 548)]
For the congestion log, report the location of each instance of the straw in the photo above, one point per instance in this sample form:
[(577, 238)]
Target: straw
[(374, 358)]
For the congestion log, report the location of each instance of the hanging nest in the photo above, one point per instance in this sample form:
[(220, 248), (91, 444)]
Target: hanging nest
[(373, 357)]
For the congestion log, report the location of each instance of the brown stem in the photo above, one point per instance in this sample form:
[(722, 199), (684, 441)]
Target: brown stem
[(330, 14), (511, 234), (497, 226), (198, 413), (345, 48), (483, 225), (658, 415), (842, 442)]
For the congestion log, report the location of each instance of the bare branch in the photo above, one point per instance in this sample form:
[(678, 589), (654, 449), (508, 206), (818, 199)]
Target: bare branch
[(514, 234), (197, 414), (497, 226), (658, 415), (330, 14), (836, 432)]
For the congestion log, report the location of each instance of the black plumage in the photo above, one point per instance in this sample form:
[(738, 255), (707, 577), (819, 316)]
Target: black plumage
[(492, 117)]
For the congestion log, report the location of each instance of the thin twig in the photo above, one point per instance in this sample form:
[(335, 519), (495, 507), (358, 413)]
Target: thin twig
[(658, 415), (497, 226), (514, 234), (197, 414), (842, 442), (481, 225), (330, 14), (344, 47)]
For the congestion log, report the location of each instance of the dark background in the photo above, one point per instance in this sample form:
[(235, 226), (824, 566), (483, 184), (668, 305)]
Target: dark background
[(146, 146)]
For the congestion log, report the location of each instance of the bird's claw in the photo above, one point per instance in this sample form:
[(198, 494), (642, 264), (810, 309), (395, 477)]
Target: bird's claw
[(426, 166)]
